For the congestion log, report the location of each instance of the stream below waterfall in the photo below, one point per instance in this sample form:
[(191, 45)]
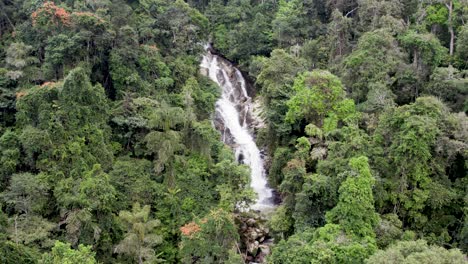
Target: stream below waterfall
[(234, 115)]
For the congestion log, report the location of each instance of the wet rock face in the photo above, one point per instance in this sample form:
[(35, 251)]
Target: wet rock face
[(226, 135), (237, 117), (255, 238), (242, 100)]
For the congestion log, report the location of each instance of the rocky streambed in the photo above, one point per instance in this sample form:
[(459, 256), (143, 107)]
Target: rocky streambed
[(255, 237)]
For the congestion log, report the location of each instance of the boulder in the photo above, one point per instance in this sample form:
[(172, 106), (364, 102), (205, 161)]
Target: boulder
[(252, 248), (253, 235), (265, 249), (251, 222)]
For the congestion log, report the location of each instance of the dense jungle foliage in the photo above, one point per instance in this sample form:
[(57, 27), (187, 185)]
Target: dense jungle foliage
[(108, 153)]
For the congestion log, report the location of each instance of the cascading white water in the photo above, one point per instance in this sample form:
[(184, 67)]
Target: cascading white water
[(233, 108)]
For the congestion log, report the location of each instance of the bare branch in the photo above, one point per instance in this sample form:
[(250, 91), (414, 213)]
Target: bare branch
[(350, 12)]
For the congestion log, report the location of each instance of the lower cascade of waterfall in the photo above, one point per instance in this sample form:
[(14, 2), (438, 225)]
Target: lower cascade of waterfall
[(233, 118)]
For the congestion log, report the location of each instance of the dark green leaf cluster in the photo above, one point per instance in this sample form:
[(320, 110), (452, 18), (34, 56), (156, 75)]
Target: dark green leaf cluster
[(106, 141), (382, 79)]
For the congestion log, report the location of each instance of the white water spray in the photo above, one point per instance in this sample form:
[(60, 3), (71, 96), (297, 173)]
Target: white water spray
[(233, 108)]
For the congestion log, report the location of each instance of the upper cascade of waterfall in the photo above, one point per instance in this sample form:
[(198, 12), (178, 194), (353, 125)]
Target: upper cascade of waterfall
[(234, 114)]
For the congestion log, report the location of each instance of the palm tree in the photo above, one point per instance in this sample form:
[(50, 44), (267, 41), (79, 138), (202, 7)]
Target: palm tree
[(140, 237)]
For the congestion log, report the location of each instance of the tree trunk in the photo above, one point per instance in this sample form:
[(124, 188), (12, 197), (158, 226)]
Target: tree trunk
[(16, 229), (416, 68), (415, 59), (450, 26), (452, 40)]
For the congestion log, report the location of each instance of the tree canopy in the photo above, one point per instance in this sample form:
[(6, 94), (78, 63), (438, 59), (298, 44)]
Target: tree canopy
[(108, 152)]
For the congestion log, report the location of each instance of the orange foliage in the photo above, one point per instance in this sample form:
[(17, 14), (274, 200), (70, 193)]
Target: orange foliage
[(54, 13), (190, 229)]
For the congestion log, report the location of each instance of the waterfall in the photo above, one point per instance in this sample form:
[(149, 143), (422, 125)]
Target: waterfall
[(233, 115)]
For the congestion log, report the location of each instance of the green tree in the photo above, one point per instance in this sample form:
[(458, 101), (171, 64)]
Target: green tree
[(10, 156), (96, 191), (317, 195), (379, 98), (62, 253), (140, 237), (378, 14), (31, 230), (339, 35), (281, 221), (85, 107), (294, 173), (27, 193), (355, 209), (7, 99), (389, 230), (73, 116), (342, 5), (276, 78), (182, 26), (348, 236), (280, 158), (61, 50), (167, 144), (415, 189), (330, 159), (449, 85), (17, 253), (232, 182), (289, 23), (210, 239), (241, 28), (444, 12), (461, 50), (132, 179), (417, 252), (426, 50), (18, 59), (296, 250), (376, 58), (319, 98)]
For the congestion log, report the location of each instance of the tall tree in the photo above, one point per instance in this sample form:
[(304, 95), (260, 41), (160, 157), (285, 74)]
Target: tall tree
[(276, 77), (348, 236), (418, 189), (210, 239), (416, 252), (355, 211), (462, 47), (340, 35), (140, 236), (378, 14), (319, 98), (62, 253), (376, 59)]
